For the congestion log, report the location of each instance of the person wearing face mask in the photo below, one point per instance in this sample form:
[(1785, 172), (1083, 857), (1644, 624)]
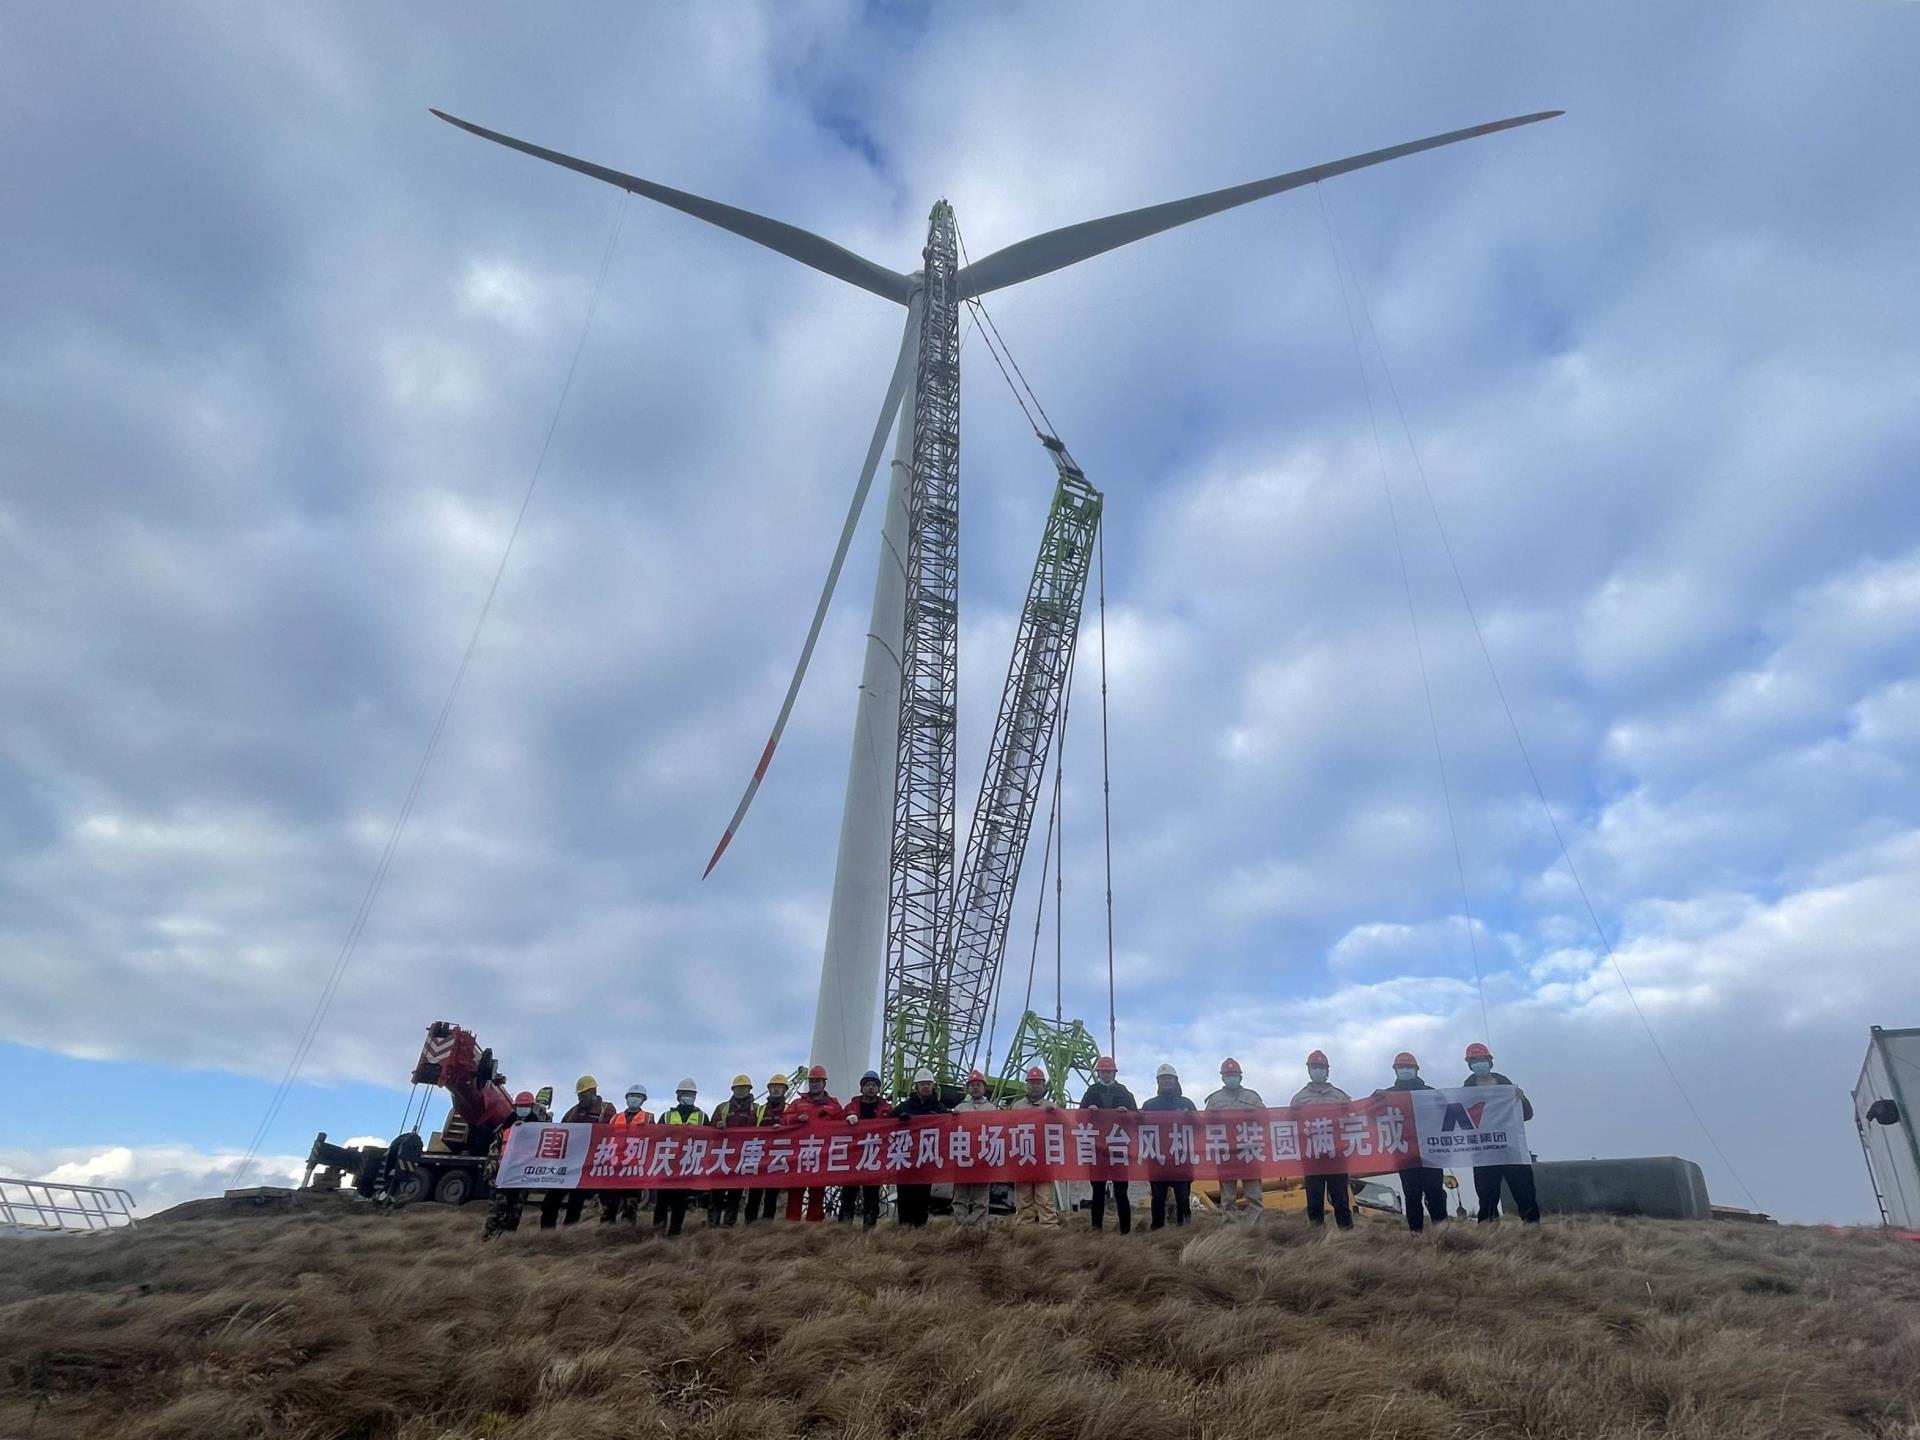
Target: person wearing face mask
[(1418, 1183), (869, 1104), (588, 1109), (626, 1204), (912, 1203), (761, 1203), (1166, 1096), (503, 1210), (1232, 1095), (670, 1206), (970, 1202), (737, 1112), (812, 1104), (1322, 1188), (1487, 1179), (1107, 1093), (1036, 1204)]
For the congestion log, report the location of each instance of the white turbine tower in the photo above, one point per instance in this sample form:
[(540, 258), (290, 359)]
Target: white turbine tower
[(896, 830)]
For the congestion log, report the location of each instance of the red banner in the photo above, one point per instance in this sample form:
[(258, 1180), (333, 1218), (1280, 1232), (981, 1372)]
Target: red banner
[(1361, 1137)]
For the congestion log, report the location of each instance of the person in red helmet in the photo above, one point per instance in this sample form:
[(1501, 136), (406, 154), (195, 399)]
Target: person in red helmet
[(1487, 1179), (503, 1210), (1232, 1095), (814, 1103), (1321, 1188), (1036, 1204), (1419, 1184), (1107, 1093), (970, 1209)]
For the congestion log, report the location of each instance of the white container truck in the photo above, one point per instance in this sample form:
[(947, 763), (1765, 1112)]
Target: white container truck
[(1883, 1104)]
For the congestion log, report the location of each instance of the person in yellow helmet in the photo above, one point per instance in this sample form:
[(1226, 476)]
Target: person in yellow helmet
[(588, 1109), (737, 1112), (761, 1203)]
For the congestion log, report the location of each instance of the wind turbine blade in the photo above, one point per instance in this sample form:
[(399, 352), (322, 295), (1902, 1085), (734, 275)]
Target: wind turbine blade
[(789, 240), (896, 388), (1059, 248)]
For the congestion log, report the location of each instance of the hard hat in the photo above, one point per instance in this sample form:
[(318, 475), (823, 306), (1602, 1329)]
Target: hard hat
[(1229, 1066), (1104, 1065), (923, 1076), (873, 1075), (584, 1084), (1477, 1051), (1036, 1073), (976, 1075), (1317, 1057), (636, 1089), (1405, 1058), (1166, 1072), (740, 1080), (818, 1072), (525, 1097), (686, 1086), (773, 1080)]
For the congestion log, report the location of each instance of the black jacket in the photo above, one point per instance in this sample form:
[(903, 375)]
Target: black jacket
[(1416, 1083), (915, 1105), (1101, 1096), (1494, 1077), (1175, 1101)]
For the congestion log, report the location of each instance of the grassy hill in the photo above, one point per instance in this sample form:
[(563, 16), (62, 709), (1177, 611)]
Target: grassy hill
[(340, 1321)]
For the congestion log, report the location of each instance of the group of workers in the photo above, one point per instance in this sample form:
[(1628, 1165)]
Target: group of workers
[(1036, 1204)]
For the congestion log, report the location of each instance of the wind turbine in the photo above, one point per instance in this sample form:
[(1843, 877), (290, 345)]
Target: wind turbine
[(892, 885)]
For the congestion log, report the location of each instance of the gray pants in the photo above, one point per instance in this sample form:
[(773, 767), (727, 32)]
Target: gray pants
[(970, 1205)]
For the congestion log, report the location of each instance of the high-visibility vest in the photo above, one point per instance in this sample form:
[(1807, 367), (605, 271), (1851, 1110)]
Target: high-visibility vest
[(639, 1117), (674, 1117)]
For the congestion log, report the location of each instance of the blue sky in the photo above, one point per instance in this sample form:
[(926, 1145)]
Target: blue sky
[(281, 351)]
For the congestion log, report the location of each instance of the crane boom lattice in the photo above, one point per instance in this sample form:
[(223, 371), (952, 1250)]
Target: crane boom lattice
[(1043, 650), (920, 879)]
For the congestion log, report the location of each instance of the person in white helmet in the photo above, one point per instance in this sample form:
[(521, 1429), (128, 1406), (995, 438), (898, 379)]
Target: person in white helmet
[(912, 1203), (670, 1206), (1232, 1095), (970, 1201), (1167, 1096), (625, 1204)]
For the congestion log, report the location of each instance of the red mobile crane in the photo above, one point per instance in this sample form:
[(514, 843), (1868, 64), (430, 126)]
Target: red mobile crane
[(450, 1166)]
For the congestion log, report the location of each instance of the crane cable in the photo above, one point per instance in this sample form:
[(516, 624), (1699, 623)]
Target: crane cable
[(1513, 724), (1413, 619), (997, 347), (1106, 786), (304, 1046)]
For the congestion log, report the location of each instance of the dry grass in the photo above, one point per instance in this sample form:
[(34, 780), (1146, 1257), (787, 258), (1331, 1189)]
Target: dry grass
[(345, 1322)]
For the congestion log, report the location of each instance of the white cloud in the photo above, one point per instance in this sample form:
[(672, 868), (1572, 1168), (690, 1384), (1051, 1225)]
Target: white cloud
[(1658, 357), (156, 1176)]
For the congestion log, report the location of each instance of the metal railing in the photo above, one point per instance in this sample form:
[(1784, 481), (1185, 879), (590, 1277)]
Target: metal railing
[(53, 1207)]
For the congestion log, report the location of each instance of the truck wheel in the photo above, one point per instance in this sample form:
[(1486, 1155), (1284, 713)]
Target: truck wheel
[(407, 1188), (454, 1188)]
